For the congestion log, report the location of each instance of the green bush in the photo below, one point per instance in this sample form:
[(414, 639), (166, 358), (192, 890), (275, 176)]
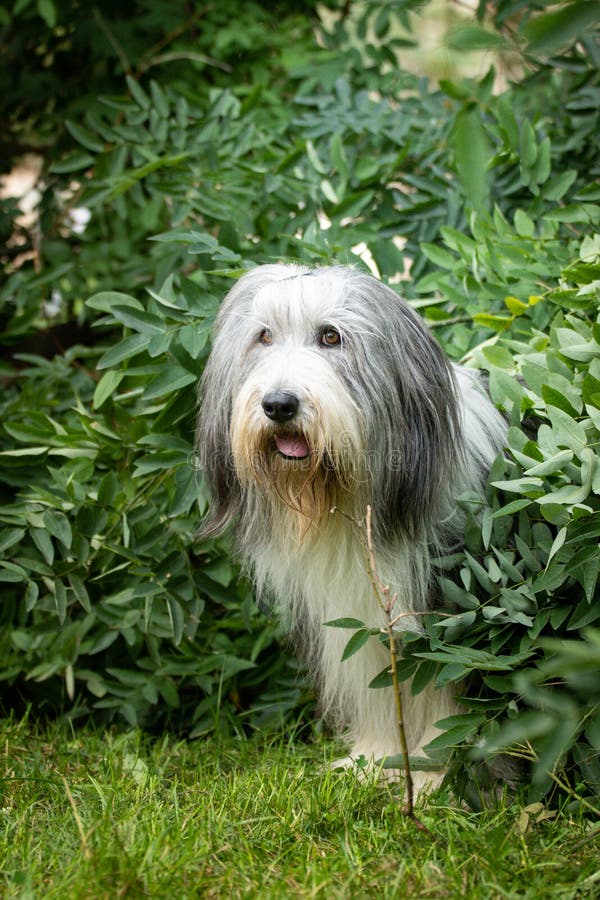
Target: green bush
[(483, 207), (526, 583)]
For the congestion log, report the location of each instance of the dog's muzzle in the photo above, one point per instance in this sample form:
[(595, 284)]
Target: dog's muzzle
[(281, 407)]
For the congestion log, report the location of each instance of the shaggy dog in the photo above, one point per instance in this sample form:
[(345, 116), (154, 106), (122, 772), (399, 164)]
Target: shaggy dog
[(325, 391)]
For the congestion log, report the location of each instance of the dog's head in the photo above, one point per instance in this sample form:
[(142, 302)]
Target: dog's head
[(323, 385)]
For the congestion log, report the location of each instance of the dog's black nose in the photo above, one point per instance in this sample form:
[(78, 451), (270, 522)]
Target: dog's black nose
[(280, 406)]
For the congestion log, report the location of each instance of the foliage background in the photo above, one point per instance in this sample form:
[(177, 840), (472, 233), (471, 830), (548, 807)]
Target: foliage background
[(203, 141)]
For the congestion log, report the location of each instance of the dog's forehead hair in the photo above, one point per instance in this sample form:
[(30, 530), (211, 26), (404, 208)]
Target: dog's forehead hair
[(301, 303)]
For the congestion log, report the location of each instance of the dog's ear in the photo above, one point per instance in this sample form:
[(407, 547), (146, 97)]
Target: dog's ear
[(419, 426), (216, 390), (216, 463), (212, 434)]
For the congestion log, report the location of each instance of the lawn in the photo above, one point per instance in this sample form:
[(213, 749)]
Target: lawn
[(90, 814)]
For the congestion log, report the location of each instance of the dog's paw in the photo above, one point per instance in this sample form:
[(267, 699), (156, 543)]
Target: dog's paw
[(360, 763), (424, 783)]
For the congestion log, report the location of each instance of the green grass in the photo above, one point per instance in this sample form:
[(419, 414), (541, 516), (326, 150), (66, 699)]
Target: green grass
[(106, 815)]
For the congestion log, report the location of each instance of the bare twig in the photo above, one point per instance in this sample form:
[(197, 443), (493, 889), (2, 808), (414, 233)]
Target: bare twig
[(455, 320), (387, 601), (573, 793), (114, 43), (84, 843), (184, 54), (172, 35), (382, 592)]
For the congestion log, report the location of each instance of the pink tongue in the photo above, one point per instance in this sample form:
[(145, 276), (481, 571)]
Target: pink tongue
[(292, 446)]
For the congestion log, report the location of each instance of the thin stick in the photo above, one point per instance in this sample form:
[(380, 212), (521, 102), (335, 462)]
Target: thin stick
[(387, 603), (387, 609), (400, 720), (84, 844)]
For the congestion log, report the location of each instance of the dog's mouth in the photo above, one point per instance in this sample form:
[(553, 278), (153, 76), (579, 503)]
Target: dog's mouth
[(292, 446)]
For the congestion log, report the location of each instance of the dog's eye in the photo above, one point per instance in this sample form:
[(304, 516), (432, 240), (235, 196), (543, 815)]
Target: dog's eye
[(330, 338), (266, 337)]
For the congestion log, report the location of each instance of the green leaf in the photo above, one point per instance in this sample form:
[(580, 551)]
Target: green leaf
[(47, 11), (554, 397), (549, 32), (507, 121), (523, 224), (125, 349), (164, 459), (84, 137), (178, 621), (542, 168), (31, 595), (416, 763), (80, 592), (74, 162), (104, 301), (193, 339), (460, 621), (465, 38), (472, 153), (138, 93), (513, 507), (587, 213), (557, 543), (496, 323), (11, 536), (520, 486), (58, 526), (450, 673), (527, 144), (107, 385), (439, 256), (487, 527), (345, 623), (159, 99), (358, 640), (569, 495), (60, 600), (456, 729), (555, 463), (589, 577), (338, 154), (505, 389), (220, 571), (138, 320), (25, 451), (11, 572), (499, 356), (43, 542), (314, 159), (527, 554), (456, 595), (559, 184), (566, 431), (172, 378)]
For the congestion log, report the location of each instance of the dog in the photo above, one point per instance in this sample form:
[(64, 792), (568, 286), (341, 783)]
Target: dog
[(325, 393)]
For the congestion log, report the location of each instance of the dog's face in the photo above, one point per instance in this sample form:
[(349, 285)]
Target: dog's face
[(296, 427), (321, 383)]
